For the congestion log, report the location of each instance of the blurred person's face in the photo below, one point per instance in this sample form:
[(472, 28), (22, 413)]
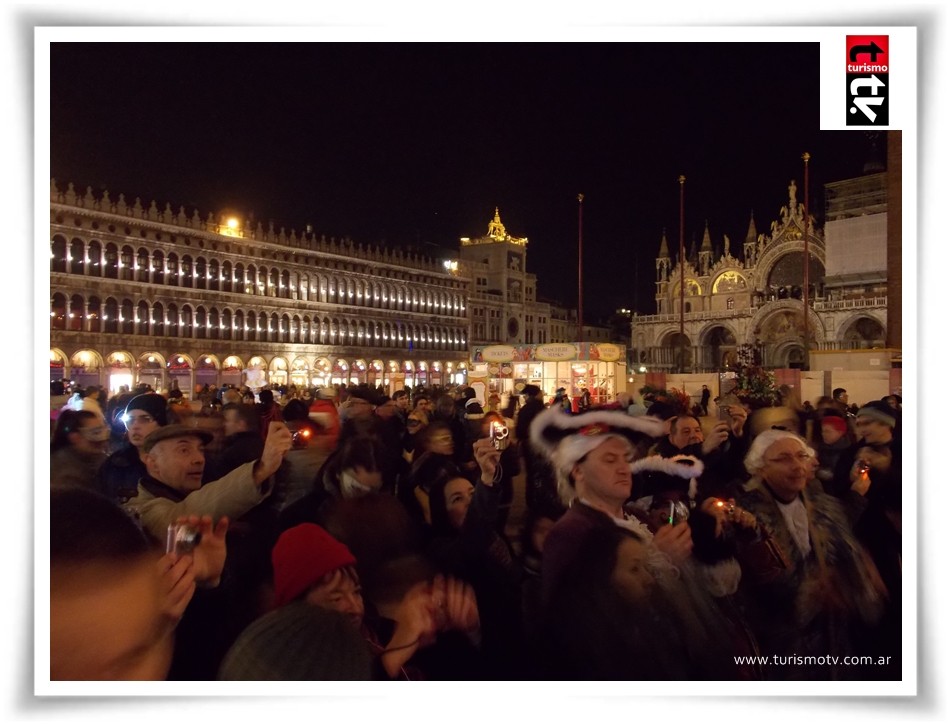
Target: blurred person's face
[(631, 576), (91, 437), (107, 624), (387, 410), (830, 435), (358, 481), (356, 408), (177, 462), (341, 594), (233, 423), (604, 473), (402, 403), (441, 443), (872, 430), (788, 466), (139, 424), (685, 432), (416, 422), (458, 497)]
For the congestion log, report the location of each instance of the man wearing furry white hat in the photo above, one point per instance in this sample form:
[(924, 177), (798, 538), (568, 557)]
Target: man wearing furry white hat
[(592, 455)]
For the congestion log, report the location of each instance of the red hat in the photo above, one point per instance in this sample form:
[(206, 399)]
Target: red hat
[(301, 557), (836, 422)]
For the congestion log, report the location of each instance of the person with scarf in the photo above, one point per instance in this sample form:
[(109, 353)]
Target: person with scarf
[(808, 588)]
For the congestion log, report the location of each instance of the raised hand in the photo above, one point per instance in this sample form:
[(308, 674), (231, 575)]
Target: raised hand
[(487, 458), (455, 600), (279, 441), (210, 554), (178, 584), (674, 541)]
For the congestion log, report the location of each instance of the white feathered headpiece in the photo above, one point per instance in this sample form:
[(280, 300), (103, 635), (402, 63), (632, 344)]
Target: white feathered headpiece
[(663, 474), (566, 438)]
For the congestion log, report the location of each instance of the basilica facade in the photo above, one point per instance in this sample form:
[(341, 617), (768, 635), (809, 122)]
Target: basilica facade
[(748, 302)]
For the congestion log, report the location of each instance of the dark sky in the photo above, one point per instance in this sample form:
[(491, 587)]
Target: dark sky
[(417, 143)]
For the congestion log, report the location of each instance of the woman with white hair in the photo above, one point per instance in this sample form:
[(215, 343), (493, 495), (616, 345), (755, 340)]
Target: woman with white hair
[(807, 584)]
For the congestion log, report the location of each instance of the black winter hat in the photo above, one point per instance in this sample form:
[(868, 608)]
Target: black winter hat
[(153, 404)]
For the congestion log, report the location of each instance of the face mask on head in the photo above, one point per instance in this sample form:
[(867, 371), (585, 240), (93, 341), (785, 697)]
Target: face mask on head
[(351, 487)]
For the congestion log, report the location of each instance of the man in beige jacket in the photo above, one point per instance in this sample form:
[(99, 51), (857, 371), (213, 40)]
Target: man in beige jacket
[(175, 460)]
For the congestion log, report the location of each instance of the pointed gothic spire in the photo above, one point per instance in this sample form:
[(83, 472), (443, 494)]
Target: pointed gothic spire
[(707, 241), (752, 234), (664, 247)]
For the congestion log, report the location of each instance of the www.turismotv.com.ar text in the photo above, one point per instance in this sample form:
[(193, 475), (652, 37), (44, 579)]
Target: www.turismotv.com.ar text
[(805, 660)]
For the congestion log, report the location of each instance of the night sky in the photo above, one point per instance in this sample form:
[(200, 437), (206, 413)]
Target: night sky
[(415, 144)]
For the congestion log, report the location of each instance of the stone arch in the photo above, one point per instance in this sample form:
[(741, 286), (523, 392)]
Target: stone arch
[(214, 274), (110, 259), (761, 320), (774, 254), (187, 324), (126, 263), (718, 343), (227, 324), (214, 324), (187, 273), (57, 254), (142, 265), (201, 273), (158, 319), (174, 320), (158, 267), (862, 331), (94, 255), (228, 273), (142, 318)]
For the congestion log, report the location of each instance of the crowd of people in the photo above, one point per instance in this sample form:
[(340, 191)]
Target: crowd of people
[(342, 533)]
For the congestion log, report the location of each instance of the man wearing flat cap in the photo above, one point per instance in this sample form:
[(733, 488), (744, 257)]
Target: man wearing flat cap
[(174, 459)]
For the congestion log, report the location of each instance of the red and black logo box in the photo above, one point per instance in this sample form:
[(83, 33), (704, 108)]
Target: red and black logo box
[(867, 74)]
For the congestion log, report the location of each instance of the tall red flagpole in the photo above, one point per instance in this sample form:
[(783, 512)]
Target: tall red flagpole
[(682, 180), (805, 157), (580, 268)]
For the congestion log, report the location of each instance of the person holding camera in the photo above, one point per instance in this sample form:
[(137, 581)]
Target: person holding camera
[(175, 460), (464, 543), (721, 451), (115, 601)]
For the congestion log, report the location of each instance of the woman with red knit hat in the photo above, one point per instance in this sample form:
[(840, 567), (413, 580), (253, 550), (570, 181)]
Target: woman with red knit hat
[(312, 566)]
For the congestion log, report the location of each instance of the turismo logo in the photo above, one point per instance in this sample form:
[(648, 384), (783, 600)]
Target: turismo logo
[(866, 74)]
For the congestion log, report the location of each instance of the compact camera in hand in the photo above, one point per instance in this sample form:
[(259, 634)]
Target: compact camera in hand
[(498, 434), (182, 539), (300, 438)]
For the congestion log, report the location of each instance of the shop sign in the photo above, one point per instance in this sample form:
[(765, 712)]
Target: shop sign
[(608, 352), (555, 352), (497, 354)]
